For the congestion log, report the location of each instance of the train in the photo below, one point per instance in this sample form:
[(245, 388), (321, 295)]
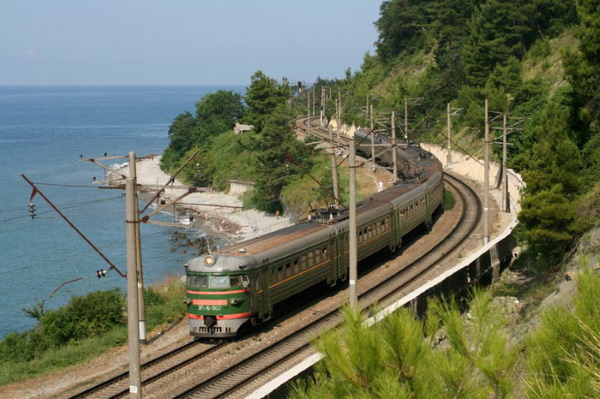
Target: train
[(238, 286)]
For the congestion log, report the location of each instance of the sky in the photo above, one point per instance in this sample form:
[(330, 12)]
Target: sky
[(182, 42)]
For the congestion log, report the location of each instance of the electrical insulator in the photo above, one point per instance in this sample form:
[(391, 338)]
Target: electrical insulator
[(100, 273), (32, 210)]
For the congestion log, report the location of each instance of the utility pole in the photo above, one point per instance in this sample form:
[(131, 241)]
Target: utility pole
[(312, 89), (406, 119), (138, 251), (308, 109), (135, 375), (394, 154), (449, 129), (336, 193), (322, 105), (486, 180), (370, 111), (339, 121), (505, 194), (352, 228)]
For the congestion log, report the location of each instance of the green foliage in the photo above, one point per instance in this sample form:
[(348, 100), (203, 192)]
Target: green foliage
[(400, 28), (280, 157), (84, 317), (497, 33), (215, 113), (564, 352), (263, 96), (583, 67), (36, 311), (304, 193), (399, 357), (548, 205), (163, 304), (83, 329)]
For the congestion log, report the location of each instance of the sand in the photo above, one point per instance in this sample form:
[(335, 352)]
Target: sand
[(217, 213)]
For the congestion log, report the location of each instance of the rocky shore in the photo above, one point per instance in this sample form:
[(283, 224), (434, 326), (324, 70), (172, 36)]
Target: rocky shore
[(218, 214)]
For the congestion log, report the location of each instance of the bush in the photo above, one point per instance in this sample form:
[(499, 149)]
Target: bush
[(84, 317)]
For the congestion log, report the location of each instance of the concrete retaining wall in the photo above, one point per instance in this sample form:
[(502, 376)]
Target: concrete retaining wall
[(481, 267)]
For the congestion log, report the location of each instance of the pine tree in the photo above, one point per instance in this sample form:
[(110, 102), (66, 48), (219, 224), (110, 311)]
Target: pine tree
[(582, 67), (497, 31), (263, 96), (548, 207), (279, 155), (402, 27)]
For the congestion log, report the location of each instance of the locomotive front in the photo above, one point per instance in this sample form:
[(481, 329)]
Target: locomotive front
[(218, 296)]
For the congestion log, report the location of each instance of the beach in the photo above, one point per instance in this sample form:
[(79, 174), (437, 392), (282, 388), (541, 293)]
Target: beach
[(218, 214)]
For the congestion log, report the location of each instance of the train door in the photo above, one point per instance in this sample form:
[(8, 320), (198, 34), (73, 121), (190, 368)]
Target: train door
[(266, 277), (344, 254)]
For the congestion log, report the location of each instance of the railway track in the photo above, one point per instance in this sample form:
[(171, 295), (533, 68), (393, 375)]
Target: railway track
[(240, 379), (237, 380), (152, 370)]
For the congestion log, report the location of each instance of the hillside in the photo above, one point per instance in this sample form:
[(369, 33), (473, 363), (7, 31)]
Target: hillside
[(537, 63)]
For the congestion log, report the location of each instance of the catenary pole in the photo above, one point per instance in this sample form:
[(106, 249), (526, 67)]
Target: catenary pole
[(308, 109), (352, 228), (486, 180), (406, 119), (449, 129), (135, 377), (334, 175), (505, 195), (372, 136), (138, 252), (394, 153)]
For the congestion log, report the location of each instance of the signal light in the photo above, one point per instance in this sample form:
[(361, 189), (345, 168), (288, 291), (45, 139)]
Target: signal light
[(100, 273)]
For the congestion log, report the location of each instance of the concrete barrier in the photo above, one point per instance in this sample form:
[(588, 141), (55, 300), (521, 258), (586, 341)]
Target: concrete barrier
[(481, 267)]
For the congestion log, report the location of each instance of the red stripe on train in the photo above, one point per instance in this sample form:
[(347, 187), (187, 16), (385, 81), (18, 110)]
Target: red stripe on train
[(223, 317), (217, 292), (209, 301)]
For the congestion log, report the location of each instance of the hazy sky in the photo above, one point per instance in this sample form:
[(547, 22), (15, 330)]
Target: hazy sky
[(181, 41)]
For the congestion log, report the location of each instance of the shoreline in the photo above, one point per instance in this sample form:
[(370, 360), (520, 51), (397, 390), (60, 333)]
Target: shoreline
[(218, 214)]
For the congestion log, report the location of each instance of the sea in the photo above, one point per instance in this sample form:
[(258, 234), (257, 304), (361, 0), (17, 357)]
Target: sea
[(45, 131)]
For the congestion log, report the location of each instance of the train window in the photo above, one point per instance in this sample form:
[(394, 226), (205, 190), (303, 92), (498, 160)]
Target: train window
[(196, 281), (296, 266), (310, 259), (288, 269), (219, 282), (239, 281)]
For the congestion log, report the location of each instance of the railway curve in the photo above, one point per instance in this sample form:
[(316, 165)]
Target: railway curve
[(258, 367)]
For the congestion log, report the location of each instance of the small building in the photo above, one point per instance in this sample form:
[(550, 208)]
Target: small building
[(239, 128)]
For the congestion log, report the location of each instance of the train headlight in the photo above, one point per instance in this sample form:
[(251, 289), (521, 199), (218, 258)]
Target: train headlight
[(209, 260), (235, 301)]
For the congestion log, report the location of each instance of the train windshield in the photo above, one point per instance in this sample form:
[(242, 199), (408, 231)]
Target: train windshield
[(196, 281), (206, 281), (219, 282)]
